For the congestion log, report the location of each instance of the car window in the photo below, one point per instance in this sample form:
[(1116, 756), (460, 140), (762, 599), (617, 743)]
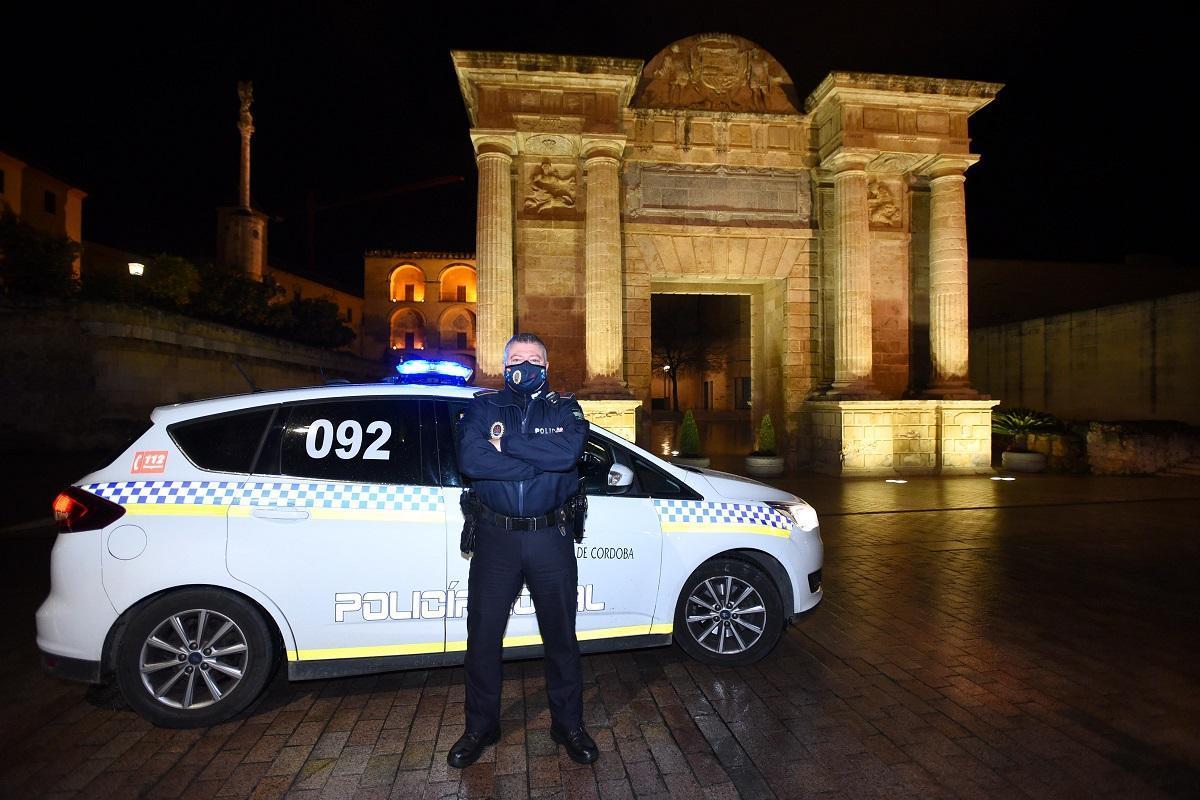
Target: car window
[(360, 440), (593, 465), (222, 442), (449, 414), (653, 482)]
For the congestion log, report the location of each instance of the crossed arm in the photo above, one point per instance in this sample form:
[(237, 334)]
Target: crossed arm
[(479, 459), (556, 452)]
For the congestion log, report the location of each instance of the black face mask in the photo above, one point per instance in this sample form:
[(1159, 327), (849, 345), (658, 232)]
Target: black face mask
[(525, 378)]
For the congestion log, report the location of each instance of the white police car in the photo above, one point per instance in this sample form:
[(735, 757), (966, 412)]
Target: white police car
[(321, 526)]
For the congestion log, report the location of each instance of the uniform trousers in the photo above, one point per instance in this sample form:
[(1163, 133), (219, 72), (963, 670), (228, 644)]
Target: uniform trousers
[(543, 560)]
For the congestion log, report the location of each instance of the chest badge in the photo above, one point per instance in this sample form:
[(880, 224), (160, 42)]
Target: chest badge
[(497, 430)]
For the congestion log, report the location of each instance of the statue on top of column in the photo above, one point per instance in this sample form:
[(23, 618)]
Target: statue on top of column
[(246, 95)]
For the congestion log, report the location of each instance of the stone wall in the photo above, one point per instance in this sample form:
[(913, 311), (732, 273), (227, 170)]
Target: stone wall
[(1135, 361), (85, 376), (883, 437), (1138, 449), (550, 291)]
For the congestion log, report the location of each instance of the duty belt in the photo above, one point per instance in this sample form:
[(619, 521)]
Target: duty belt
[(518, 523)]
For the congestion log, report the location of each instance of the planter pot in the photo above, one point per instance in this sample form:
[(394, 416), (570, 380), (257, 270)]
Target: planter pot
[(1023, 462), (764, 466), (693, 461)]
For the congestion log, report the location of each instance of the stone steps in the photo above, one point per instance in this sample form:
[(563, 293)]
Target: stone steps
[(1184, 469)]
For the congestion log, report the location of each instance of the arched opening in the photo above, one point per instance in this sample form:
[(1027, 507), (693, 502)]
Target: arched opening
[(457, 329), (457, 284), (408, 284), (408, 330)]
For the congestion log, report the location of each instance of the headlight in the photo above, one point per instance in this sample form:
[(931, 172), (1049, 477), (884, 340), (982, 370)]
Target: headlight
[(802, 514)]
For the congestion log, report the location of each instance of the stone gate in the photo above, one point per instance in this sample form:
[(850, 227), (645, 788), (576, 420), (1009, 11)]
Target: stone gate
[(603, 181)]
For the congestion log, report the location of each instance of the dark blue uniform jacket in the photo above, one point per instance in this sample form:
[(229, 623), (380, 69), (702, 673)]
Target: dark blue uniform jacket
[(534, 471)]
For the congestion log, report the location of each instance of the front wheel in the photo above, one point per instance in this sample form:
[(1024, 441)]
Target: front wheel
[(729, 613), (194, 658)]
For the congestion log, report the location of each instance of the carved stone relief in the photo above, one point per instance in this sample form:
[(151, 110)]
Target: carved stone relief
[(548, 145), (717, 71), (885, 204), (550, 186), (718, 194)]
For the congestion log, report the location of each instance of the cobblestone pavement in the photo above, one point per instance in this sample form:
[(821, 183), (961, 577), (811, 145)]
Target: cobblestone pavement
[(1028, 639)]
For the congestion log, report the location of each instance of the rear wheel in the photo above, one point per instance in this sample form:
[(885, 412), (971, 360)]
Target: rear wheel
[(729, 613), (195, 658)]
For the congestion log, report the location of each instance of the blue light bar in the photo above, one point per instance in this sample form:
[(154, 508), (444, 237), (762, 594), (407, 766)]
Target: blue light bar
[(420, 370)]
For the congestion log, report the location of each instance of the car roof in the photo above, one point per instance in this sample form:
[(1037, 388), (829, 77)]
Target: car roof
[(218, 405)]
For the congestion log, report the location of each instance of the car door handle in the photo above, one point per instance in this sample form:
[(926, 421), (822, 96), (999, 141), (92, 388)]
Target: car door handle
[(281, 514)]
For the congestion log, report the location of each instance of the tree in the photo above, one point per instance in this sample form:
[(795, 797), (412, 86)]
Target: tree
[(318, 322), (169, 281), (683, 337), (33, 262)]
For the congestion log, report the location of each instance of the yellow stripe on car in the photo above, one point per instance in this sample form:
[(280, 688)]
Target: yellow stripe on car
[(456, 647), (724, 527)]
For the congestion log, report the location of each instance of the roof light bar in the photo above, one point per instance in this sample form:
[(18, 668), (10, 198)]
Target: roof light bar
[(420, 370)]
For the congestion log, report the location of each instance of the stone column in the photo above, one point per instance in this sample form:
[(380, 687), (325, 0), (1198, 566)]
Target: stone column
[(852, 350), (494, 254), (948, 334), (604, 339)]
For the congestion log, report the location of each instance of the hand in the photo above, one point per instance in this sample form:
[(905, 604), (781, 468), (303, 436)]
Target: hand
[(496, 443)]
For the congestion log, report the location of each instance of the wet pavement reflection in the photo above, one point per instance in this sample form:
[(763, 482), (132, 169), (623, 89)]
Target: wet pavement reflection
[(1034, 638)]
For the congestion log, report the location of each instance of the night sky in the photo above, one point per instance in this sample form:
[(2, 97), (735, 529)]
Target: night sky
[(1080, 161)]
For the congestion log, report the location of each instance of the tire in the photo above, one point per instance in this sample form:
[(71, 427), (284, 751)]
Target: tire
[(751, 601), (227, 669)]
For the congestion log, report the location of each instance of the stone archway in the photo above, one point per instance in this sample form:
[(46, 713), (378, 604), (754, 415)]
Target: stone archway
[(604, 180), (768, 267)]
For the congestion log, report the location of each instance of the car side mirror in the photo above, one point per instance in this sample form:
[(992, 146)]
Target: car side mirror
[(619, 477)]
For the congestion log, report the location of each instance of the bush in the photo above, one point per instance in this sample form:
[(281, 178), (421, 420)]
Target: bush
[(33, 262), (689, 437), (766, 445), (1020, 422), (170, 281)]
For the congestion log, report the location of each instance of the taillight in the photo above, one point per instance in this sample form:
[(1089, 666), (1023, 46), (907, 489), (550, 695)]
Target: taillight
[(76, 510)]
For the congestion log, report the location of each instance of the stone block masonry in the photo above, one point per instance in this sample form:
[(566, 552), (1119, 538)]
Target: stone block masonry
[(885, 437)]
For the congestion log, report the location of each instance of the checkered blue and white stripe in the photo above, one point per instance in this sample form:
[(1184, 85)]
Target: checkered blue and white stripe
[(352, 496), (301, 494), (711, 512), (202, 493)]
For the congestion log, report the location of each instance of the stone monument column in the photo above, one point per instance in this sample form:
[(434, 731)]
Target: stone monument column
[(604, 341), (852, 360), (948, 334), (494, 253), (246, 129)]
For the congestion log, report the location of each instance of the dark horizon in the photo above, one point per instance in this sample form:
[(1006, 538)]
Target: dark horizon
[(141, 114)]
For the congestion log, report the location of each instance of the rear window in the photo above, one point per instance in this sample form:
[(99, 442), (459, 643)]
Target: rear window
[(362, 440), (224, 442)]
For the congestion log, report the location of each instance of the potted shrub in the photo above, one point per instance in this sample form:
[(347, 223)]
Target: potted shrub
[(765, 461), (690, 454), (1019, 423)]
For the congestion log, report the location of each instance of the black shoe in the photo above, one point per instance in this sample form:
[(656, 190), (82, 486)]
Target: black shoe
[(580, 746), (469, 747)]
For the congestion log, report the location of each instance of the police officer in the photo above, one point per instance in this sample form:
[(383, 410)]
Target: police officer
[(519, 447)]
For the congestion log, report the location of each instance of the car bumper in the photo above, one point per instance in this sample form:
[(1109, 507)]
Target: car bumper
[(807, 559), (75, 618), (74, 669)]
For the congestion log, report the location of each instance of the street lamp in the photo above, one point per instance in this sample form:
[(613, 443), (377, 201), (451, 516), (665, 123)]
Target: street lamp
[(135, 268), (666, 388)]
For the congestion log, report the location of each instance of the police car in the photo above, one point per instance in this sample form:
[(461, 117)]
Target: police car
[(320, 526)]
